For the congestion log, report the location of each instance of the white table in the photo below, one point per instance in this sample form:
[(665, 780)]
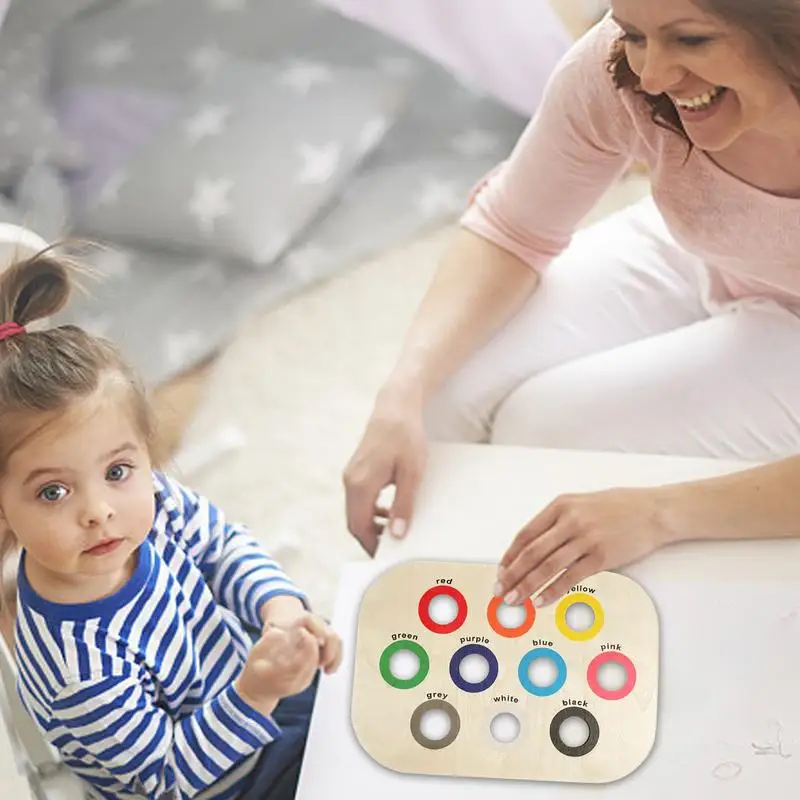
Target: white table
[(472, 502)]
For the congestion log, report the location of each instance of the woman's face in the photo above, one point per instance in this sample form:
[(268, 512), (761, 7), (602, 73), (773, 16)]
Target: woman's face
[(720, 84)]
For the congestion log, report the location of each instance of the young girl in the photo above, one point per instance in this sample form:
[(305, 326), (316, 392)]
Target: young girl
[(160, 650)]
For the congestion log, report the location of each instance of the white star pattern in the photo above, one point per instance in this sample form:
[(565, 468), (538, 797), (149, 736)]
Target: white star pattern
[(372, 133), (228, 5), (206, 61), (303, 75), (319, 163), (476, 143), (112, 53), (210, 202), (182, 347), (439, 197), (208, 121)]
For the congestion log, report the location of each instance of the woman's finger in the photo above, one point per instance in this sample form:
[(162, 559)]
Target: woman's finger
[(538, 526), (361, 495), (580, 570), (530, 557), (544, 571)]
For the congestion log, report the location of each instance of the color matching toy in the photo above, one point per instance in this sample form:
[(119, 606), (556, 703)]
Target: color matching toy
[(538, 677)]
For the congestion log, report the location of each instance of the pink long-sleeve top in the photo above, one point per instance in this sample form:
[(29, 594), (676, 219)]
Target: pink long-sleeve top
[(584, 135)]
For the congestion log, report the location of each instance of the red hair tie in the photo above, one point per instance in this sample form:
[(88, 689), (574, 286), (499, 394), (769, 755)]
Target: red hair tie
[(9, 329)]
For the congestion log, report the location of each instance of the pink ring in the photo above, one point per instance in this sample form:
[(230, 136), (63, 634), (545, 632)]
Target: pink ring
[(604, 658)]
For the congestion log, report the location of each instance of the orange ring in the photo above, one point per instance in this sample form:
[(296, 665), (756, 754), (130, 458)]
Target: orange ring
[(510, 633)]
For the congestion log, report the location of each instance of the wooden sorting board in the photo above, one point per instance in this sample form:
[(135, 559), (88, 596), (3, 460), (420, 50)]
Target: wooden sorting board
[(387, 711)]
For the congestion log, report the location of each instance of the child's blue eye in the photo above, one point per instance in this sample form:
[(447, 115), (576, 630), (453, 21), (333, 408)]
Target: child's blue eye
[(52, 493), (118, 472), (632, 38)]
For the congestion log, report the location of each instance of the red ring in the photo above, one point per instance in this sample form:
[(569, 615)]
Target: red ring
[(594, 667), (425, 616)]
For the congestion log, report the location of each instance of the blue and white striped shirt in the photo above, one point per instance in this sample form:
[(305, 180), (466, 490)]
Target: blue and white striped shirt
[(134, 690)]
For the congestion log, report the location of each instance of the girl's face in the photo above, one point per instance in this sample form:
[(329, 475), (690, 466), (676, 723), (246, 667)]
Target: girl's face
[(78, 496), (720, 84)]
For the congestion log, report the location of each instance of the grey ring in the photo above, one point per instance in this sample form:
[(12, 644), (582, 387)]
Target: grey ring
[(416, 724)]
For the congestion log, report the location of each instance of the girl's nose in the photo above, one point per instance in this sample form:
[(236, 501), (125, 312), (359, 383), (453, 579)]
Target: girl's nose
[(97, 511)]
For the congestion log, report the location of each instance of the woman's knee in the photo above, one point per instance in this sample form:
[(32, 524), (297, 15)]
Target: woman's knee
[(543, 413), (454, 415)]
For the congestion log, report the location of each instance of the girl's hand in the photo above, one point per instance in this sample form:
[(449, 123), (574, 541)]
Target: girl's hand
[(329, 642), (283, 662), (281, 610), (579, 536), (287, 612)]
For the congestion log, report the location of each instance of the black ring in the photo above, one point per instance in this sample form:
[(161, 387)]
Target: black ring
[(468, 650), (588, 745), (416, 724)]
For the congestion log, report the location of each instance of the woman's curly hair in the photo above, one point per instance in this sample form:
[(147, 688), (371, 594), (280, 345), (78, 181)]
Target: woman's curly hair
[(774, 26)]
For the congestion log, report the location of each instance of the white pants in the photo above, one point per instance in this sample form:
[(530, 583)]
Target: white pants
[(621, 349)]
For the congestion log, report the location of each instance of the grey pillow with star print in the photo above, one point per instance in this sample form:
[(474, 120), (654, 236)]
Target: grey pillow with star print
[(249, 161)]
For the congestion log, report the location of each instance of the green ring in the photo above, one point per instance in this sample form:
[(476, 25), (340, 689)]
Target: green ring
[(399, 683)]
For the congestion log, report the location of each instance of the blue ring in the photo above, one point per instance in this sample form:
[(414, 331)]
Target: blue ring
[(528, 658), (460, 655)]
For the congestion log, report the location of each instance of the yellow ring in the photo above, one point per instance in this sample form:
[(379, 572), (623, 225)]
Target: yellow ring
[(561, 616)]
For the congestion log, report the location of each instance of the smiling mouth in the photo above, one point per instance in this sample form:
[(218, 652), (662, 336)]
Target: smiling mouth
[(702, 102)]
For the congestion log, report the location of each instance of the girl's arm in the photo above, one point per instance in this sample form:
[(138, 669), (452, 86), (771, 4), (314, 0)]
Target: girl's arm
[(112, 720), (237, 568)]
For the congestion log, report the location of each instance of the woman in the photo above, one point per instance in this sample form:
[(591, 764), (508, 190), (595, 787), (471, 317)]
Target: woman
[(671, 327)]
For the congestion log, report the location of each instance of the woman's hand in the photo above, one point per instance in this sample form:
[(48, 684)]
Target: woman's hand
[(579, 536), (392, 452)]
